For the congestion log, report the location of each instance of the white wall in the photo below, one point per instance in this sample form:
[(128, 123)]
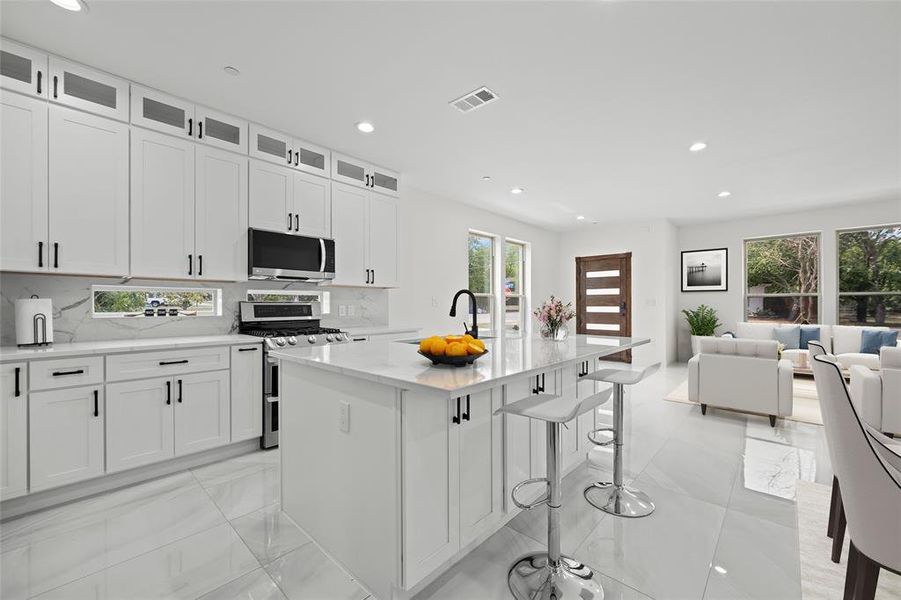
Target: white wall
[(652, 244), (433, 258), (731, 234)]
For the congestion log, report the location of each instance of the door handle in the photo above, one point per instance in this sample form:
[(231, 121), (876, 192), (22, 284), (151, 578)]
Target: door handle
[(367, 275), (373, 276), (40, 254), (55, 255), (168, 392), (289, 155), (39, 83), (456, 417), (190, 127), (254, 349), (18, 390), (466, 414), (297, 222), (622, 309), (290, 219), (179, 391), (164, 363), (200, 265), (537, 387), (75, 372), (199, 129), (296, 158), (367, 180), (190, 263), (96, 406), (321, 255), (55, 86)]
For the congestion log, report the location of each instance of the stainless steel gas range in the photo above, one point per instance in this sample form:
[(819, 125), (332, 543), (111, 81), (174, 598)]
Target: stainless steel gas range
[(283, 324)]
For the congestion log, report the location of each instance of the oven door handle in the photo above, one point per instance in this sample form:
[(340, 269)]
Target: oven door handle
[(271, 399), (321, 255)]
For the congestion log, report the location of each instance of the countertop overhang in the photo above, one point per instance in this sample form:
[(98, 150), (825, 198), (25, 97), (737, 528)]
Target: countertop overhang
[(63, 350), (397, 363)]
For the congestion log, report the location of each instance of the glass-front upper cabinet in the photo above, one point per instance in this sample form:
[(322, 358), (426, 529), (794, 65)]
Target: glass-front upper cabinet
[(161, 112), (23, 69), (311, 158), (350, 170), (86, 89), (270, 145), (384, 181), (221, 130)]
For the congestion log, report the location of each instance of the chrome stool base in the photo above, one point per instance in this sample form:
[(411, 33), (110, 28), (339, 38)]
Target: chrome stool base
[(620, 501), (532, 578)]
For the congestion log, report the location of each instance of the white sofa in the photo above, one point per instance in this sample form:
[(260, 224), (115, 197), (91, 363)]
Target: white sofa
[(841, 340), (877, 394), (744, 375)]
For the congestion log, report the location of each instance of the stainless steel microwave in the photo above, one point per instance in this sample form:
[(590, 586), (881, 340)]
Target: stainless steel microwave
[(273, 255)]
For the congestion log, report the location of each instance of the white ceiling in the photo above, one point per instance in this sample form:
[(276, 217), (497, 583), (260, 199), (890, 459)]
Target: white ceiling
[(800, 103)]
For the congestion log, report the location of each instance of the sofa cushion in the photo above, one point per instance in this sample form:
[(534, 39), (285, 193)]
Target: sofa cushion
[(846, 338), (739, 347), (754, 331), (809, 333), (789, 336), (849, 359), (871, 340), (890, 358)]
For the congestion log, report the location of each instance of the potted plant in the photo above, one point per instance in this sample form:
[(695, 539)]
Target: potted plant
[(702, 322), (552, 318)]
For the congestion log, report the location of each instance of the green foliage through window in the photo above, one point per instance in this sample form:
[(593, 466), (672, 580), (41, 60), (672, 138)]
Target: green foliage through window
[(869, 276), (126, 301), (782, 279)]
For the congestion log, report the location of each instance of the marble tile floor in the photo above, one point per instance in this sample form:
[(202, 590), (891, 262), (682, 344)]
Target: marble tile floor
[(726, 524)]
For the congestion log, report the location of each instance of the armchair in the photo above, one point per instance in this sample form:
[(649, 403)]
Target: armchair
[(877, 394)]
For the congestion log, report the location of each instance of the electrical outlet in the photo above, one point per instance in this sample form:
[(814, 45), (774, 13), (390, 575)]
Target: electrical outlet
[(350, 310), (434, 302), (344, 417), (342, 310)]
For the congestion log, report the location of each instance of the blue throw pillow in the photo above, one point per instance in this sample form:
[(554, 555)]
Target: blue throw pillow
[(871, 340), (789, 336), (809, 333)]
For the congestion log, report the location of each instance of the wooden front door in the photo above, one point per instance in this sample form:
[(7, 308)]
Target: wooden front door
[(604, 297)]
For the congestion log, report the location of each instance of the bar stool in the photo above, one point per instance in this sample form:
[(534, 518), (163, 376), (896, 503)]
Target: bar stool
[(615, 498), (550, 575)]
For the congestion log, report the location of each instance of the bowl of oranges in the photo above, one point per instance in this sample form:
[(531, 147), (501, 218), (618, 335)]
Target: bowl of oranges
[(455, 350)]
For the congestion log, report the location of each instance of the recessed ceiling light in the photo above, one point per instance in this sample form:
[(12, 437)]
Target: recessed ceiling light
[(580, 218), (486, 177), (365, 126), (720, 570), (233, 71), (73, 5), (697, 146), (516, 191), (724, 194)]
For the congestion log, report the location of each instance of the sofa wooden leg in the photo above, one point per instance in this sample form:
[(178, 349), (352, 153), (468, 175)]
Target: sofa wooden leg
[(891, 435), (772, 420), (851, 572), (703, 409), (830, 525), (838, 531)]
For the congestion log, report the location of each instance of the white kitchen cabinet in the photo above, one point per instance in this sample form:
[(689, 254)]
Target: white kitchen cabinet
[(162, 205), (23, 185), (220, 214), (587, 422), (573, 452), (87, 89), (246, 392), (155, 110), (271, 197), (139, 423), (364, 226), (312, 205), (65, 436), (88, 183), (384, 180), (202, 403), (359, 173), (481, 465), (13, 430), (518, 431), (283, 149), (23, 69), (221, 130)]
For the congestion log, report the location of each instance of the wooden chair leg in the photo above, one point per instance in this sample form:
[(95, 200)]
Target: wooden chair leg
[(851, 573), (830, 526), (867, 577), (838, 534)]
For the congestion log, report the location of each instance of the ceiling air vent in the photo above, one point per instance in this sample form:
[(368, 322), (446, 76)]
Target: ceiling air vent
[(474, 100)]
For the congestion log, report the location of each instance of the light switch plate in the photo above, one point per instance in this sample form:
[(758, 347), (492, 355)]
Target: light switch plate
[(342, 310), (344, 417), (350, 310)]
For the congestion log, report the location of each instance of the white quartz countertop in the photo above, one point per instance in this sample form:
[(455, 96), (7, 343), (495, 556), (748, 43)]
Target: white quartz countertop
[(11, 353), (398, 364), (382, 330)]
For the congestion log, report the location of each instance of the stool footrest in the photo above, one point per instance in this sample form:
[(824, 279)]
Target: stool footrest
[(598, 442), (543, 500)]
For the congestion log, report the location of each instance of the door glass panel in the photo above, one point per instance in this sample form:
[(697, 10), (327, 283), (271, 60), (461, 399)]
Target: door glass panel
[(15, 66), (595, 274), (272, 146), (603, 292), (602, 309), (312, 159), (601, 327), (89, 90), (222, 131), (163, 113), (352, 171), (385, 182)]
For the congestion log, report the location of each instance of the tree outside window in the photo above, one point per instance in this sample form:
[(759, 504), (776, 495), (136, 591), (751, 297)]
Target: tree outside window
[(481, 278), (782, 279), (128, 301), (869, 276), (515, 309)]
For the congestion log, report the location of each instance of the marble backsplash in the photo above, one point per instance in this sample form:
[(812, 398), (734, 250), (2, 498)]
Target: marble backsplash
[(73, 322)]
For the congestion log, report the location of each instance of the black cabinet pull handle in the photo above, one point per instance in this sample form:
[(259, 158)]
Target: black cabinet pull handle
[(542, 382), (190, 263), (200, 265), (179, 391), (367, 275), (18, 391), (290, 220), (96, 407), (297, 222), (373, 276), (289, 155), (163, 363), (456, 417), (360, 339), (466, 414), (39, 82), (55, 86), (40, 254), (168, 392), (190, 127), (61, 373), (55, 255), (254, 349), (296, 158), (199, 129)]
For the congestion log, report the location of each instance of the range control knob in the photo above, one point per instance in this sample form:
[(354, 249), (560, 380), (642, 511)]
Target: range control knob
[(312, 339), (330, 338), (292, 340), (280, 341)]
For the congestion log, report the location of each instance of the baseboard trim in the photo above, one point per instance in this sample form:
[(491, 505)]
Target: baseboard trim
[(17, 507)]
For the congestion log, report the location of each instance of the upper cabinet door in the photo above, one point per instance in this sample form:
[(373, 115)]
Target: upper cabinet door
[(349, 229), (162, 112), (313, 205), (23, 185), (23, 69), (384, 181), (382, 241), (88, 194), (221, 130), (311, 158), (270, 145), (80, 87), (350, 170), (162, 206), (271, 197), (220, 212)]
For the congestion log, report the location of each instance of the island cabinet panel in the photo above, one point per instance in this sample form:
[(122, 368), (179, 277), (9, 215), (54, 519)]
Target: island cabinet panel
[(587, 421), (481, 465), (567, 379), (518, 440), (545, 383)]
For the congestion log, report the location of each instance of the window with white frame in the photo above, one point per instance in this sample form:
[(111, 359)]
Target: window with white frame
[(516, 302), (481, 278), (133, 301), (869, 276), (292, 296), (782, 279)]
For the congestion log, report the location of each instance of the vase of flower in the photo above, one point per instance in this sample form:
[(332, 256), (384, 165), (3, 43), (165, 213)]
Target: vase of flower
[(552, 318)]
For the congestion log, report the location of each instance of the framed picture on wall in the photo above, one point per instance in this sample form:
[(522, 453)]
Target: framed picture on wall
[(705, 270)]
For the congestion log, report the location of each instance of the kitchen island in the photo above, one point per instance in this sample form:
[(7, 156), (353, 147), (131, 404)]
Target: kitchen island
[(397, 469)]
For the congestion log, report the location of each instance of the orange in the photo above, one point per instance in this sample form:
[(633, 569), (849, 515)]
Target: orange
[(474, 349), (438, 347), (467, 338), (479, 343), (453, 338), (456, 349), (425, 346)]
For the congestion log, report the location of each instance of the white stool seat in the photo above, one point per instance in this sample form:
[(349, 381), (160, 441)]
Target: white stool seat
[(552, 408), (622, 376)]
